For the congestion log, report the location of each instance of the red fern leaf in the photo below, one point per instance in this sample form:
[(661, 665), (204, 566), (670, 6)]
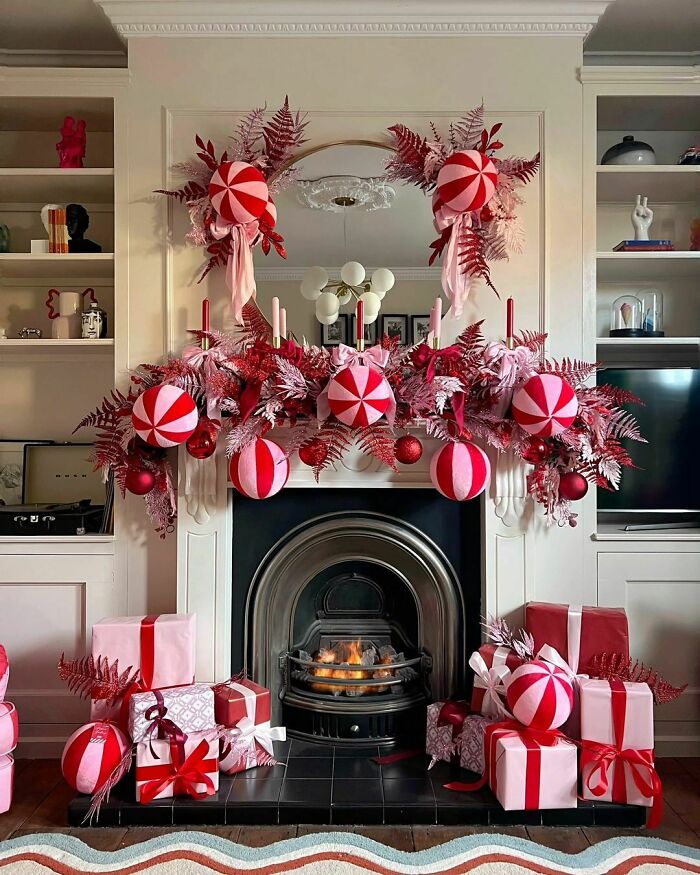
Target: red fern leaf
[(377, 440), (282, 135), (408, 161), (617, 666), (95, 678), (472, 258), (337, 438)]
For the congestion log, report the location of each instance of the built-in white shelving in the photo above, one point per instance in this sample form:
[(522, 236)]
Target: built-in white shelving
[(643, 266), (57, 266), (647, 341), (660, 183), (40, 185)]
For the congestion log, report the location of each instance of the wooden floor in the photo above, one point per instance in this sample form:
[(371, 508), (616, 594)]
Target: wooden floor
[(41, 797)]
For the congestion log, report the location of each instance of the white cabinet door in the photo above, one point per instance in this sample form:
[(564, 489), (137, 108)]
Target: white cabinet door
[(661, 593)]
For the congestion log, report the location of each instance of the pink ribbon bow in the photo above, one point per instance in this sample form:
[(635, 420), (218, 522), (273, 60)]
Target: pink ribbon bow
[(455, 282), (206, 359), (240, 276), (511, 367)]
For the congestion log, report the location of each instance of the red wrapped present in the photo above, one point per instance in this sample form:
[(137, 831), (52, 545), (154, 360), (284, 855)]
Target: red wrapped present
[(578, 633), (617, 745), (7, 778), (248, 745), (177, 767), (238, 698), (4, 672), (488, 685), (443, 729)]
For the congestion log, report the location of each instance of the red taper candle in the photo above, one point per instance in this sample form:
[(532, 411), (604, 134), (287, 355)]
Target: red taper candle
[(205, 314), (360, 320), (509, 323)]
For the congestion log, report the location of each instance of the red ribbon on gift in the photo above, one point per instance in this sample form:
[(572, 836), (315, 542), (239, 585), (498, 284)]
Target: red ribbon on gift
[(163, 727), (640, 762), (423, 355), (453, 714), (184, 775), (147, 641)]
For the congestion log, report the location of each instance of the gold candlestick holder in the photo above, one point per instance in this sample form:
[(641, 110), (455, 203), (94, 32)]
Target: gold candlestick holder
[(276, 342)]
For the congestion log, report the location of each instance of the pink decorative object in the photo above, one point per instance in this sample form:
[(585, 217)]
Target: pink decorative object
[(164, 770), (460, 470), (493, 656), (4, 672), (240, 697), (467, 180), (546, 405), (269, 215), (71, 149), (191, 709), (359, 395), (9, 728), (91, 754), (443, 216), (471, 743), (540, 695), (238, 192), (7, 780), (164, 416), (261, 470), (275, 318)]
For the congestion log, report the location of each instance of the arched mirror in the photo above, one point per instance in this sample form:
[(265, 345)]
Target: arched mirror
[(341, 208)]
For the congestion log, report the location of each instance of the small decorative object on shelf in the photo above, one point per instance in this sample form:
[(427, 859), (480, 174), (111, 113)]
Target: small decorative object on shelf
[(641, 216), (652, 313), (691, 155), (71, 148), (629, 151), (626, 317), (695, 235), (67, 321), (644, 246), (5, 239), (31, 333), (58, 231), (3, 333), (91, 754), (41, 246), (352, 286), (94, 322), (77, 222)]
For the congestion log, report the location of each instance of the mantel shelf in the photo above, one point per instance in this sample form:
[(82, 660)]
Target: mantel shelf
[(17, 265), (93, 185)]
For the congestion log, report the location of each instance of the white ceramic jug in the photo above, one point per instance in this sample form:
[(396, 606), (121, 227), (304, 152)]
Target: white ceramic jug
[(66, 321)]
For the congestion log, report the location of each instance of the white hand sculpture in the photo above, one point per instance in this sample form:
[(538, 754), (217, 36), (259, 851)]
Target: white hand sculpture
[(642, 217)]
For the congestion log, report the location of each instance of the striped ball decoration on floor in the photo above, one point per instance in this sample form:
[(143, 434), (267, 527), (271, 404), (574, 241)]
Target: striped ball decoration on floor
[(164, 416), (238, 192), (460, 470), (359, 395), (467, 180), (260, 470), (540, 695), (91, 754), (545, 406)]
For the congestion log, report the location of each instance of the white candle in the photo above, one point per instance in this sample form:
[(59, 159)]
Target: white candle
[(283, 321), (275, 317)]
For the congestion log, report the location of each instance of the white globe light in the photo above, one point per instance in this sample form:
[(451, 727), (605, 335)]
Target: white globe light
[(369, 318), (345, 297), (328, 320), (327, 308), (372, 303), (352, 273), (382, 281), (314, 281)]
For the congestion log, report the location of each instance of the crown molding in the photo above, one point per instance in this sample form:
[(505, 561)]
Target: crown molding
[(50, 58), (346, 18), (639, 75), (296, 274)]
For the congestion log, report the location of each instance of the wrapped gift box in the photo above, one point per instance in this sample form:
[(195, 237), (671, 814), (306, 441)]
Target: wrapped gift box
[(578, 633), (617, 718), (7, 777), (238, 698), (4, 672), (249, 745), (441, 741), (9, 728), (472, 740), (160, 776), (493, 656), (190, 708)]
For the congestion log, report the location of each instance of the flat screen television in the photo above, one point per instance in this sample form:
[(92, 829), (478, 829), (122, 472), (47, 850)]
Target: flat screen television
[(667, 479)]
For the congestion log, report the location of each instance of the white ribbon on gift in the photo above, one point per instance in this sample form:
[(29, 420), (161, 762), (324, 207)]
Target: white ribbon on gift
[(243, 739), (492, 682), (343, 356), (240, 276), (249, 698), (574, 621)]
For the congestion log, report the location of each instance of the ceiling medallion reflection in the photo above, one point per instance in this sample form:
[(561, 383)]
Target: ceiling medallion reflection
[(336, 194)]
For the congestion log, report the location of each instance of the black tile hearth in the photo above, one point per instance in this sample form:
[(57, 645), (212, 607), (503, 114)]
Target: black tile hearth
[(321, 784)]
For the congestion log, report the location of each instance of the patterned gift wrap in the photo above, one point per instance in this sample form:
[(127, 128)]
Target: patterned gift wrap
[(441, 742), (190, 708), (471, 745)]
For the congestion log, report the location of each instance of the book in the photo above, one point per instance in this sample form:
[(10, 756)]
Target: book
[(643, 245), (58, 232)]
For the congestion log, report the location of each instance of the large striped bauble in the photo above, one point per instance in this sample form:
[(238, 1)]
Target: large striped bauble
[(540, 695), (260, 470), (164, 416), (91, 755), (238, 192), (546, 405), (467, 180), (269, 214), (460, 470), (359, 395)]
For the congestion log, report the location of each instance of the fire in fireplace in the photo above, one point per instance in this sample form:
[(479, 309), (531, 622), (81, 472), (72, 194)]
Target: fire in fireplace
[(335, 660)]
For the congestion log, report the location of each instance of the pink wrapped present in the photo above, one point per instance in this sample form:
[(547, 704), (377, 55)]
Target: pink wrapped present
[(4, 672), (617, 744), (9, 728), (239, 698), (7, 778), (488, 685), (190, 708), (248, 745), (443, 727), (165, 768), (471, 742)]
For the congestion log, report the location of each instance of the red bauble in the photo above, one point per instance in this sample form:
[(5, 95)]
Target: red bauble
[(138, 448), (536, 451), (572, 486), (313, 452), (202, 442), (140, 480), (408, 449)]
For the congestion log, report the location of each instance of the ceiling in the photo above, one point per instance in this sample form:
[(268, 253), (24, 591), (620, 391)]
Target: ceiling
[(80, 28)]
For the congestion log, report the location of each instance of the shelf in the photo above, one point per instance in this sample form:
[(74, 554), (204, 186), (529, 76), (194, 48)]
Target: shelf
[(45, 342), (17, 265), (662, 183), (92, 185), (47, 113), (647, 341), (626, 266)]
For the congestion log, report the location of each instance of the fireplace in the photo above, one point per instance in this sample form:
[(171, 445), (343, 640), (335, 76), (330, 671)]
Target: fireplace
[(355, 608)]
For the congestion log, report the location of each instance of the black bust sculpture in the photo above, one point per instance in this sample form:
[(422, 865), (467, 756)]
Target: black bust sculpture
[(77, 221)]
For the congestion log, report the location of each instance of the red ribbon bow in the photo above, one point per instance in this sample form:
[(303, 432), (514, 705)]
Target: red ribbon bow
[(163, 727), (185, 774), (423, 355), (453, 714)]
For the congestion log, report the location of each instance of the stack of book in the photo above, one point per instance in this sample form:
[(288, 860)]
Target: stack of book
[(58, 232), (644, 246)]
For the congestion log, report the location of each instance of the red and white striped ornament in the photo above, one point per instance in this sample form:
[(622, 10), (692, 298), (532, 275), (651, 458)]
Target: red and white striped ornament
[(164, 416), (460, 471), (269, 215), (91, 754), (359, 395), (238, 192), (540, 695), (260, 470), (467, 180), (546, 405)]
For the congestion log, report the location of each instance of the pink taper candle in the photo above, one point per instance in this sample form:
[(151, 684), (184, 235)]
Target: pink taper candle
[(360, 320), (276, 322), (283, 322)]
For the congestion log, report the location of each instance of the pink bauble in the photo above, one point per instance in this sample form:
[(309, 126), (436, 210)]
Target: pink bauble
[(4, 672), (540, 695), (269, 215), (546, 405), (467, 180), (460, 470), (260, 470), (9, 728), (238, 192), (164, 416), (91, 755), (359, 396)]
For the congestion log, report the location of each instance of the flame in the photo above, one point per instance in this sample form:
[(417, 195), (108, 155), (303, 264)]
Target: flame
[(348, 653)]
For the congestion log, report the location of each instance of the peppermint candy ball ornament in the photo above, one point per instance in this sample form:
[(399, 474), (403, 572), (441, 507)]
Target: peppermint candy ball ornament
[(359, 395), (467, 181), (260, 470), (546, 405), (91, 755), (269, 215), (238, 192), (540, 695), (460, 471), (164, 416)]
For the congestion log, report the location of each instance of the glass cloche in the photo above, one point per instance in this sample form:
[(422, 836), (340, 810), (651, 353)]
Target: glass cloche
[(626, 317), (652, 313)]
